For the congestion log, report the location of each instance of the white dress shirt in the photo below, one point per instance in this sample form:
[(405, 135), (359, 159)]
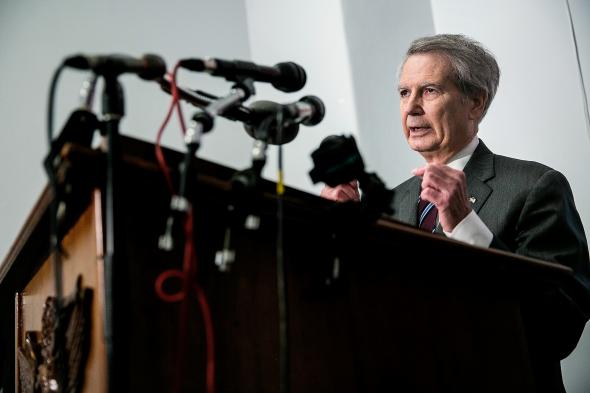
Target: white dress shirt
[(471, 229)]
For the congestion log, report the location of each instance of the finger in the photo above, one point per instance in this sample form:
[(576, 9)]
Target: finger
[(333, 193), (341, 193), (346, 191), (350, 192), (419, 171), (437, 180), (445, 198), (329, 193), (445, 171), (431, 195), (444, 177)]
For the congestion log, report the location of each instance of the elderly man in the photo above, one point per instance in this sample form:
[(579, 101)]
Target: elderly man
[(446, 85)]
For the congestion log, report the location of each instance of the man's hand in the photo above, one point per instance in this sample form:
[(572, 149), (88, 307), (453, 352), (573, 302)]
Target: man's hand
[(343, 192), (447, 189)]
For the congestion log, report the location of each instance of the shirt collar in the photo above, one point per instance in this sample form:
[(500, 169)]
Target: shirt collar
[(459, 160)]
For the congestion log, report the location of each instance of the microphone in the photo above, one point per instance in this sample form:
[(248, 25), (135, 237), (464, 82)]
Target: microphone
[(201, 99), (262, 122), (287, 77), (337, 161), (148, 67), (87, 92), (309, 111)]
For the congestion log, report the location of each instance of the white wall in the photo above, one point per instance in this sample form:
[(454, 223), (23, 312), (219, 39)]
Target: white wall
[(378, 37), (35, 36), (311, 33), (350, 58)]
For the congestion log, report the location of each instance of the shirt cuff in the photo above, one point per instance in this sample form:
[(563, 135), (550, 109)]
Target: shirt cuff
[(472, 230)]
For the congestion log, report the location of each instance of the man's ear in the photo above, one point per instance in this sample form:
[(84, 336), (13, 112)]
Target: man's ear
[(478, 103)]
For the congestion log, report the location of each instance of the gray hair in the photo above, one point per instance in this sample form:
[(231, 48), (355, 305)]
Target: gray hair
[(474, 67)]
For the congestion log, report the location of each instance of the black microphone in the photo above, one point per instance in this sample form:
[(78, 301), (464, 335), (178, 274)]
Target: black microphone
[(148, 67), (337, 161), (262, 122), (309, 111), (287, 77)]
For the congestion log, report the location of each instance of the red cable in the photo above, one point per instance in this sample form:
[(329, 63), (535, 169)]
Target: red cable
[(210, 339), (163, 295), (189, 268), (159, 153), (188, 275), (176, 98)]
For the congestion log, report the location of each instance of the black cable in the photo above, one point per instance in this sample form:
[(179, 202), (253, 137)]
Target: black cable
[(54, 241), (113, 111), (55, 248), (51, 103), (281, 279), (54, 222), (111, 128)]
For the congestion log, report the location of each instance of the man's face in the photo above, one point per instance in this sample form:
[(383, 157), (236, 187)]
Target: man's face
[(438, 120)]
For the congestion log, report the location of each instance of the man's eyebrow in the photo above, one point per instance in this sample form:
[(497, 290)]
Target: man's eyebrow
[(428, 83), (422, 85)]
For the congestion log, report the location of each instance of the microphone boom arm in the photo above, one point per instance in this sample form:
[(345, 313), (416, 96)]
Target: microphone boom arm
[(202, 99)]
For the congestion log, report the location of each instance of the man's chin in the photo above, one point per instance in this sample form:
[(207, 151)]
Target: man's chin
[(421, 146)]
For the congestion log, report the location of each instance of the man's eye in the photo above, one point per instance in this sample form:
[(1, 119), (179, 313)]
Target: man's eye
[(404, 93), (429, 90)]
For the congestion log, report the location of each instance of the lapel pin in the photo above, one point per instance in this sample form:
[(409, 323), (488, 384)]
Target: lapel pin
[(472, 199)]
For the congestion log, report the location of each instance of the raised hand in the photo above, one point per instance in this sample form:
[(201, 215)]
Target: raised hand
[(447, 189), (343, 192)]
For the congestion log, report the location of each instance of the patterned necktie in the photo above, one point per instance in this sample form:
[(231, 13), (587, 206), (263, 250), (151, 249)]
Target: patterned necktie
[(427, 213)]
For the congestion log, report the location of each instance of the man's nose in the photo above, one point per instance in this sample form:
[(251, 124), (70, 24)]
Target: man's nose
[(413, 105)]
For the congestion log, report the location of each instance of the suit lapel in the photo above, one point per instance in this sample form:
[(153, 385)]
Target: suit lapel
[(478, 193), (410, 199), (478, 171)]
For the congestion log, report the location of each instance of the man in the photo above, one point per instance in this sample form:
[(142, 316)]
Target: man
[(446, 85)]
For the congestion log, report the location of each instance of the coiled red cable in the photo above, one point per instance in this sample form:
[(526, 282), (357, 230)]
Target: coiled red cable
[(188, 274)]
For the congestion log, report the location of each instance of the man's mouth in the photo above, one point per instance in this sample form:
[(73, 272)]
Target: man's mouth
[(419, 129)]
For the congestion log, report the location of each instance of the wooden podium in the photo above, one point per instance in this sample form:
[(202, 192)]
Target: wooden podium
[(375, 307)]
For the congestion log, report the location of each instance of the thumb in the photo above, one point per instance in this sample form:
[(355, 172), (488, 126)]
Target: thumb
[(419, 171)]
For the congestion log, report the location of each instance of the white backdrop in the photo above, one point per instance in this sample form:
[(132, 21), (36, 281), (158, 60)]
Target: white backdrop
[(35, 36)]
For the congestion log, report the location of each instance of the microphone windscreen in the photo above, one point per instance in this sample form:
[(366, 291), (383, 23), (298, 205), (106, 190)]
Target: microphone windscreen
[(154, 67), (319, 110), (293, 77), (263, 124)]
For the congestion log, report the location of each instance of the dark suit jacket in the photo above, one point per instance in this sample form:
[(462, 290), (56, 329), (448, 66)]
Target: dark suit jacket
[(530, 209)]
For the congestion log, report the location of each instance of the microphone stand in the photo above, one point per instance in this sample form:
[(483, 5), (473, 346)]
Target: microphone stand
[(180, 206), (113, 110), (202, 122), (79, 129), (243, 184), (202, 99)]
